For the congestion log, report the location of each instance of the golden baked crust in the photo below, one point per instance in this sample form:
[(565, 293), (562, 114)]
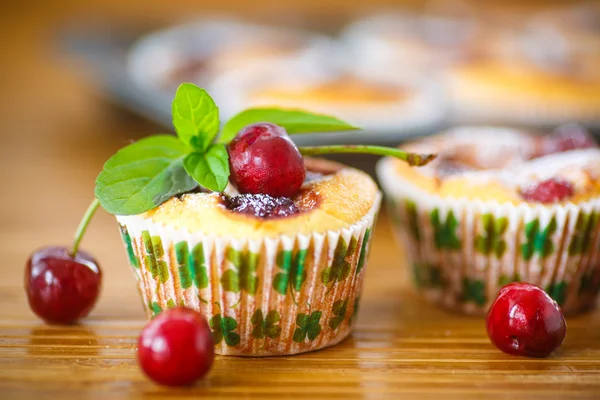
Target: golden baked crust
[(333, 202), (499, 183), (342, 91), (491, 79)]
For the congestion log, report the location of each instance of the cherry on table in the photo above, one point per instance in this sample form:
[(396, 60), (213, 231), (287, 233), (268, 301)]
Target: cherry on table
[(524, 320), (548, 191), (176, 347), (264, 160), (62, 288)]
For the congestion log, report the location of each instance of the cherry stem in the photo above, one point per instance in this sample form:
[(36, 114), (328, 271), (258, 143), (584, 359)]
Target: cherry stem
[(413, 159), (85, 221)]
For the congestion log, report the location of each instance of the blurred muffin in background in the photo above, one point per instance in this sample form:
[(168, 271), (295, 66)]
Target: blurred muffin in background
[(500, 205), (397, 46), (373, 105), (542, 72), (201, 51)]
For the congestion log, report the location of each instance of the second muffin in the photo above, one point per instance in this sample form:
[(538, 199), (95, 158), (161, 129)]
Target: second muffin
[(499, 206)]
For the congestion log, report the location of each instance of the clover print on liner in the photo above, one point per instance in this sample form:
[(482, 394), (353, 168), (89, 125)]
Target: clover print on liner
[(192, 267), (427, 275), (583, 230), (308, 327), (474, 291), (133, 261), (538, 241), (364, 249), (412, 220), (155, 308), (153, 253), (293, 274), (340, 267), (243, 274), (223, 328), (557, 290), (491, 240), (445, 232), (339, 310), (266, 327)]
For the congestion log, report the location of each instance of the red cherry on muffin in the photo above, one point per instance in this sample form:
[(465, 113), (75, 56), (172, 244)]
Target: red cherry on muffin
[(176, 347), (62, 288), (548, 191), (525, 321), (264, 160)]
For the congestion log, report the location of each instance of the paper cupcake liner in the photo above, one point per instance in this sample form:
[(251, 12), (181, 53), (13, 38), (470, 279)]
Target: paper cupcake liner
[(483, 104), (275, 296), (462, 252)]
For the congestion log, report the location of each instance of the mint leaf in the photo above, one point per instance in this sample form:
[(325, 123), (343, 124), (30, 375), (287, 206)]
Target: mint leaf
[(294, 121), (195, 116), (143, 175), (209, 169)]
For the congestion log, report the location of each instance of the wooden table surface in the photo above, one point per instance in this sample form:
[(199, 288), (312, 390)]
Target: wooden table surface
[(55, 136)]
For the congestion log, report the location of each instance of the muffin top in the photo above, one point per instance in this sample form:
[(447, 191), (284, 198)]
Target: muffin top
[(333, 197), (506, 165), (343, 91), (538, 52)]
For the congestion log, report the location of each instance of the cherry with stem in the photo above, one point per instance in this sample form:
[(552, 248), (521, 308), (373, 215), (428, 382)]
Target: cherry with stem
[(63, 284)]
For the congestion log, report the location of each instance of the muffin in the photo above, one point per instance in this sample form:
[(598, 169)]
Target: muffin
[(372, 104), (203, 50), (277, 285), (499, 206), (397, 46), (539, 73)]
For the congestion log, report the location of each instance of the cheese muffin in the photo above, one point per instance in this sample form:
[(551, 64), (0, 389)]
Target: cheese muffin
[(203, 50), (276, 276), (497, 206), (397, 46), (540, 73), (375, 105)]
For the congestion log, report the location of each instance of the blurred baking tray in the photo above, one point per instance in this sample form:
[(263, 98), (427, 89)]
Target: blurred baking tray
[(107, 53)]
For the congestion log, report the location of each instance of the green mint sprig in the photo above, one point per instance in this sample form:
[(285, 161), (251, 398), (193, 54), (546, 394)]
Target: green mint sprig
[(147, 173)]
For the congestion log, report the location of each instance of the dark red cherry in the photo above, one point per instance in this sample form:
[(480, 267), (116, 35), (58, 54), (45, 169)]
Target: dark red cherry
[(176, 347), (263, 160), (569, 137), (548, 191), (61, 288), (524, 320)]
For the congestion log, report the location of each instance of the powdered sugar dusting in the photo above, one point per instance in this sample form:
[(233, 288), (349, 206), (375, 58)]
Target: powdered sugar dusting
[(513, 158), (261, 205), (577, 166), (475, 150)]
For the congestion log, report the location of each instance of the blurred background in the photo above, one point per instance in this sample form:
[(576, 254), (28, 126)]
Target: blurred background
[(80, 79)]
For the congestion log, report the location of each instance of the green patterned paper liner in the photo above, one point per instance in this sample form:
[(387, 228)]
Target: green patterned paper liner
[(276, 296), (462, 252)]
